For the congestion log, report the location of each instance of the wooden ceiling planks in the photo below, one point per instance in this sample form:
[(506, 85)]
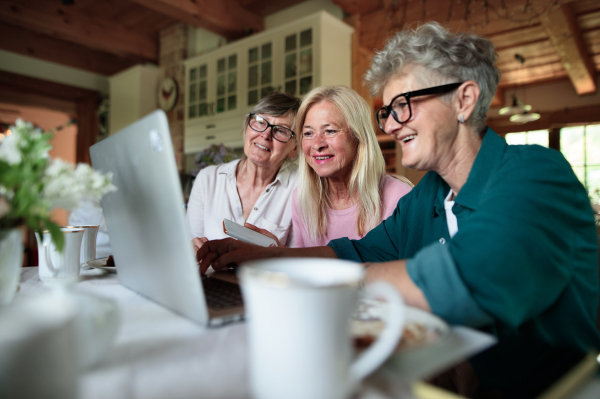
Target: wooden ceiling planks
[(266, 7), (513, 29), (25, 42), (518, 36), (95, 34), (358, 6), (224, 17), (72, 26)]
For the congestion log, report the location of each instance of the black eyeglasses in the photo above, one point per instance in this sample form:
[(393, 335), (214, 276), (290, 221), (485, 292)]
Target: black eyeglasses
[(279, 133), (400, 108)]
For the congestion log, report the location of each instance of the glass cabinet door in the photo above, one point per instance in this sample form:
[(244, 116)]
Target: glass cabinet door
[(298, 62), (197, 101), (226, 97), (260, 72)]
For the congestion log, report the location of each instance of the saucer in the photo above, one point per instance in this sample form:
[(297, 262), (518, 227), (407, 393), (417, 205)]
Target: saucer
[(101, 264)]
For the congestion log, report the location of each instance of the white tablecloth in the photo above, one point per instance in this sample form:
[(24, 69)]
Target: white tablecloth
[(159, 354)]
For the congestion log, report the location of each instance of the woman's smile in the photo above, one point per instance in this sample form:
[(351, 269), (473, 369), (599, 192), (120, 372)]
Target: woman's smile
[(262, 147), (321, 159)]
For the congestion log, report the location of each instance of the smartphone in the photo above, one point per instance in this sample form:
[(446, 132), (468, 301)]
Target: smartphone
[(244, 234)]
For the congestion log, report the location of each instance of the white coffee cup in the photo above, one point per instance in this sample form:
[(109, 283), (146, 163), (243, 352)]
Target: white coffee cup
[(38, 357), (55, 264), (88, 243), (299, 312)]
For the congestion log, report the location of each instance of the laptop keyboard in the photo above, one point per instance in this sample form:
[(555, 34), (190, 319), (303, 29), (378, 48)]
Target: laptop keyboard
[(221, 294)]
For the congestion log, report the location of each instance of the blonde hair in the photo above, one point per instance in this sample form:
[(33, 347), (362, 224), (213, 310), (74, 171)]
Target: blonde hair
[(368, 169)]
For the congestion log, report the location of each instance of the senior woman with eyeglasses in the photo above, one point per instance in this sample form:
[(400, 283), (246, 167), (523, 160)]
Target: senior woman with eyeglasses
[(496, 237), (257, 189)]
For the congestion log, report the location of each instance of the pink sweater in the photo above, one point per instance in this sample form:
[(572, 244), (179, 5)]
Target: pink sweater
[(342, 223)]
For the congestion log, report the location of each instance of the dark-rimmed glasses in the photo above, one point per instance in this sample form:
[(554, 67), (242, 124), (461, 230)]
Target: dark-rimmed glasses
[(279, 133), (400, 108)]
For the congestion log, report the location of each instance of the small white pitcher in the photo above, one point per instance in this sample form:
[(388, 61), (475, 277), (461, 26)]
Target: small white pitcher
[(299, 313), (54, 264), (88, 243)]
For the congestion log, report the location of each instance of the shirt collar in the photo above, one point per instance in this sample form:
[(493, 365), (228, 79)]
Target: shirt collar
[(487, 161), (489, 156), (283, 175)]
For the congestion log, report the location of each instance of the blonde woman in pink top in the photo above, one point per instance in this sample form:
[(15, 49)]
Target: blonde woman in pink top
[(344, 190)]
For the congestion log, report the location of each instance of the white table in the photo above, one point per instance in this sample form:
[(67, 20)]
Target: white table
[(159, 354)]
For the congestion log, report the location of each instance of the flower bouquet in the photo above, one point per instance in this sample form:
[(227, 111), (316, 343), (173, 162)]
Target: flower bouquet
[(32, 184), (213, 155)]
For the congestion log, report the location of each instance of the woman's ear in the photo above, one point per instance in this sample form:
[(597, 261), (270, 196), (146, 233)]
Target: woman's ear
[(466, 96)]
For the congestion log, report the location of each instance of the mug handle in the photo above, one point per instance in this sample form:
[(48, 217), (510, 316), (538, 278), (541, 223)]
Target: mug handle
[(387, 341), (49, 260)]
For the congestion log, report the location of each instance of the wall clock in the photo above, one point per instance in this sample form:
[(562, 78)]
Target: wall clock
[(168, 93)]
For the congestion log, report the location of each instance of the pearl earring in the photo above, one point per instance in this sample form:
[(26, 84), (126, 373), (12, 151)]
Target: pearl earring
[(461, 118)]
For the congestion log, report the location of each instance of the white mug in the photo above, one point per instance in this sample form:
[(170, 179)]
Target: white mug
[(299, 312), (54, 264), (88, 243), (38, 358)]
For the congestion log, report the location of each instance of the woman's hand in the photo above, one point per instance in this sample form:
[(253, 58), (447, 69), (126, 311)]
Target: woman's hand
[(229, 252), (264, 233), (198, 242)]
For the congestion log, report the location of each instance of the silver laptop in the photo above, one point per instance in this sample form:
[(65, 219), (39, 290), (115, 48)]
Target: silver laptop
[(146, 225)]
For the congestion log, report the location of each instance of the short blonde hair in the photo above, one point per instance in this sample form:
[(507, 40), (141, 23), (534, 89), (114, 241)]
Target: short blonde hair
[(368, 170)]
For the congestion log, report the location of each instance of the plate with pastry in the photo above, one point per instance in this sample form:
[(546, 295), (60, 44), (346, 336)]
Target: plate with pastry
[(421, 329), (107, 264)]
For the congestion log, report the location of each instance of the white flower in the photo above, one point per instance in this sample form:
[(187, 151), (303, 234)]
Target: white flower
[(10, 148), (66, 187), (6, 193)]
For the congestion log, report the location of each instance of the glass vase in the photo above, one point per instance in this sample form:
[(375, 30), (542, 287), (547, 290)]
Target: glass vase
[(11, 261)]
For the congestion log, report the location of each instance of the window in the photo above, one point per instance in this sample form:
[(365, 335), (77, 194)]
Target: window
[(298, 70), (260, 72), (539, 137), (581, 147), (197, 93)]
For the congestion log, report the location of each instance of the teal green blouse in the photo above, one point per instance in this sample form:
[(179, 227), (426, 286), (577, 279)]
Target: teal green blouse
[(525, 258)]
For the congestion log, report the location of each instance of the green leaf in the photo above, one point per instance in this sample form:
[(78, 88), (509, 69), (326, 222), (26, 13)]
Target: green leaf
[(57, 235)]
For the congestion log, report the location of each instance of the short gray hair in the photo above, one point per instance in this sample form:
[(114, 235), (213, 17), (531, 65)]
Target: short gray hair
[(454, 57), (276, 104)]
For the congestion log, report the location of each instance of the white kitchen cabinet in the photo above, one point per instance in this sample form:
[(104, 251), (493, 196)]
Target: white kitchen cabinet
[(223, 85)]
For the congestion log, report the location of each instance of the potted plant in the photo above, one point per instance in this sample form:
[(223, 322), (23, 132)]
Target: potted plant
[(31, 185)]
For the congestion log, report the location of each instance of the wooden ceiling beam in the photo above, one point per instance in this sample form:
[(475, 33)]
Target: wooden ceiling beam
[(44, 87), (564, 34), (225, 17), (69, 25), (26, 42)]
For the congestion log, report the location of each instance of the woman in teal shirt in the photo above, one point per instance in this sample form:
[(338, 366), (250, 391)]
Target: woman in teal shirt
[(495, 237)]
